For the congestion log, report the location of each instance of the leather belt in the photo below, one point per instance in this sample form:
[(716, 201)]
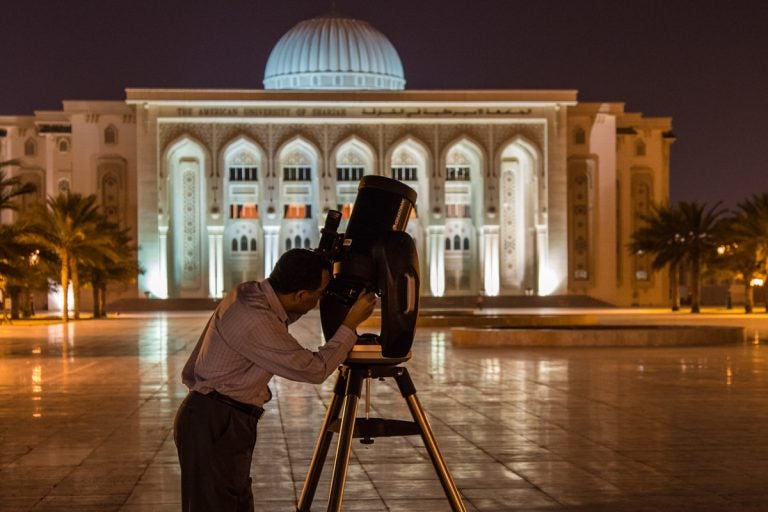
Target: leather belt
[(251, 410)]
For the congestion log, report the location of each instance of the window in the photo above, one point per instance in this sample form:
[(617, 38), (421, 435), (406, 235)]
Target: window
[(243, 173), (457, 243), (457, 173), (243, 243), (63, 145), (447, 244), (349, 173), (295, 173), (640, 148), (457, 211), (345, 209), (466, 244), (244, 211), (287, 244), (297, 211), (63, 186), (253, 245), (30, 148), (234, 245), (306, 243), (110, 135), (404, 173), (297, 242)]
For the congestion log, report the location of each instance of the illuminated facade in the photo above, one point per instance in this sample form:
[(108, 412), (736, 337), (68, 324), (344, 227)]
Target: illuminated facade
[(520, 191)]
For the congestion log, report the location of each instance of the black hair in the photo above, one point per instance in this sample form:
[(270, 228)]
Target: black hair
[(298, 269)]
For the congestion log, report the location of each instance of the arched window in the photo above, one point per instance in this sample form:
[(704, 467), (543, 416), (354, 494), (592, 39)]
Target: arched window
[(253, 244), (234, 245), (63, 186), (243, 243), (30, 147), (297, 242), (466, 244), (456, 243), (579, 137), (287, 244), (63, 146), (110, 135), (640, 148), (447, 244), (306, 243)]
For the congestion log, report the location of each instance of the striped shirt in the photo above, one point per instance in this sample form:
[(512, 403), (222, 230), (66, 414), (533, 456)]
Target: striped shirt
[(247, 341)]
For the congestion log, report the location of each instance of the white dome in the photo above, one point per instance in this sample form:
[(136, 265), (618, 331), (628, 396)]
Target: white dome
[(334, 52)]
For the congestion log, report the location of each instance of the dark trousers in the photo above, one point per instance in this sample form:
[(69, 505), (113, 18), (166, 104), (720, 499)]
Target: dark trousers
[(215, 445)]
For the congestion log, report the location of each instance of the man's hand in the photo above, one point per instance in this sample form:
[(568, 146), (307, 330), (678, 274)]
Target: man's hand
[(361, 309)]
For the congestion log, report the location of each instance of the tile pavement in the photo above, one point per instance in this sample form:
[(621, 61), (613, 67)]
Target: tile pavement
[(86, 415)]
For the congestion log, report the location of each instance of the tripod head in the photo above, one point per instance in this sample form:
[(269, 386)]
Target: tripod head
[(374, 254)]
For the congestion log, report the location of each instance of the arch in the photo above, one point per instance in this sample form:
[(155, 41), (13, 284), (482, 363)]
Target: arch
[(411, 152), (234, 245), (63, 145), (522, 204), (110, 134), (298, 172), (185, 166), (254, 245), (30, 147), (112, 186), (351, 159)]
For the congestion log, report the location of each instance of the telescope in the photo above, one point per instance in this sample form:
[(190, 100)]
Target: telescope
[(375, 254)]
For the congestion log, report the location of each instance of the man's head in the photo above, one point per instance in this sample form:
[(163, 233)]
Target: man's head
[(299, 278)]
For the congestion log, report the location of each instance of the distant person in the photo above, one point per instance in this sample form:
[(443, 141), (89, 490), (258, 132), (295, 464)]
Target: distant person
[(244, 344)]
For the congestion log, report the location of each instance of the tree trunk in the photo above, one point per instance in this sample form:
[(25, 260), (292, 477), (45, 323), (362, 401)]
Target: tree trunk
[(695, 285), (749, 296), (65, 287), (96, 302), (103, 298), (14, 293), (76, 289), (674, 280)]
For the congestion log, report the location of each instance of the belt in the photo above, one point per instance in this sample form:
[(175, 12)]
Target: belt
[(251, 410)]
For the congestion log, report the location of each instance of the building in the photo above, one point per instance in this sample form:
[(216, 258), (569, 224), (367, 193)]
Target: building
[(520, 192)]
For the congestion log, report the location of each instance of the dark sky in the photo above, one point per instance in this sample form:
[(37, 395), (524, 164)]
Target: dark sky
[(703, 63)]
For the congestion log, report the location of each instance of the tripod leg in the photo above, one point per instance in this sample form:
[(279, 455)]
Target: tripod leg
[(346, 431), (322, 445), (407, 389)]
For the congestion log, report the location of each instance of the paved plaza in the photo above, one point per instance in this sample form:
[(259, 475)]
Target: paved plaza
[(86, 413)]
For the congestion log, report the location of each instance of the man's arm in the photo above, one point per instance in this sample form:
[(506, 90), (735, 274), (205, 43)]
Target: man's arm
[(270, 346)]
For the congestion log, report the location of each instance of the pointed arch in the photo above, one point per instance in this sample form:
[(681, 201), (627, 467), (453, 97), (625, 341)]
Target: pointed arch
[(299, 168), (522, 230), (463, 164), (185, 165)]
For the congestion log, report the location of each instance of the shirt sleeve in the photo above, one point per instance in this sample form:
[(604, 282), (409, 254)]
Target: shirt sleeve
[(265, 341)]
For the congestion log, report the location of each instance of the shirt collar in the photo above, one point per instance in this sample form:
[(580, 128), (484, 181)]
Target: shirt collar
[(274, 303)]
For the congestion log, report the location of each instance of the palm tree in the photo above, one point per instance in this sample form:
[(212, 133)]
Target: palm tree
[(69, 227), (686, 233), (660, 237), (12, 187), (121, 268), (750, 227)]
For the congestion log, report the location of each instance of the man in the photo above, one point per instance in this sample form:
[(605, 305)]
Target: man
[(245, 343)]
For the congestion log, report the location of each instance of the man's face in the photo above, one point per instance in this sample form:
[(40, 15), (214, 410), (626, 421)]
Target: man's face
[(307, 299)]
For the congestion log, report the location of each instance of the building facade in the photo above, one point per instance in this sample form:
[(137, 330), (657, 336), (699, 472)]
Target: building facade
[(520, 192)]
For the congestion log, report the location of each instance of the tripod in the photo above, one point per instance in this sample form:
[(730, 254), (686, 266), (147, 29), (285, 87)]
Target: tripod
[(346, 397)]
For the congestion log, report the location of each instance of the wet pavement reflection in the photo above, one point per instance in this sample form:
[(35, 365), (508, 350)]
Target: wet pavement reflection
[(86, 412)]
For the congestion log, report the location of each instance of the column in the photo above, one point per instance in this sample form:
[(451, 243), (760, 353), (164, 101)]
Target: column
[(489, 237), (436, 254), (161, 287), (215, 261), (271, 248)]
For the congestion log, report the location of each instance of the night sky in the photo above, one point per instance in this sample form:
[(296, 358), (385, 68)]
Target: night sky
[(705, 64)]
